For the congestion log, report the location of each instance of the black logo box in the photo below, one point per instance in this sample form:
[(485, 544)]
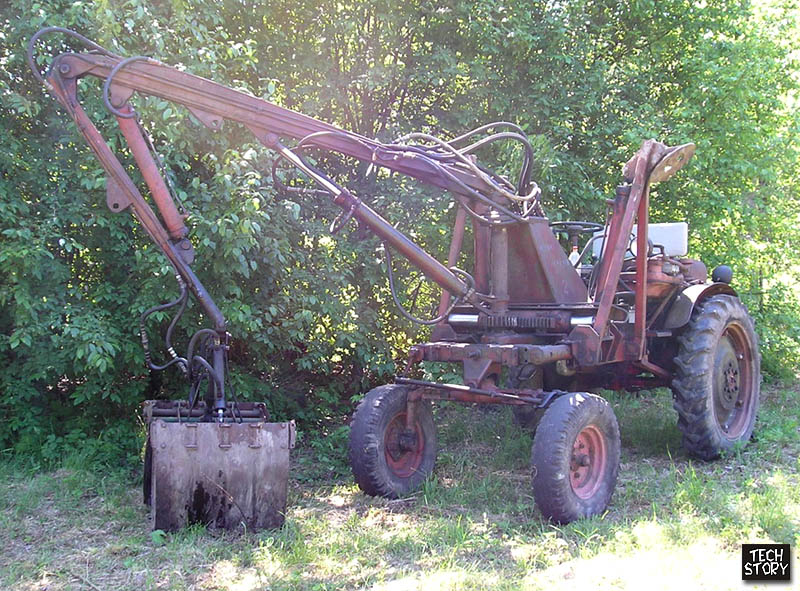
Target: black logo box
[(766, 562)]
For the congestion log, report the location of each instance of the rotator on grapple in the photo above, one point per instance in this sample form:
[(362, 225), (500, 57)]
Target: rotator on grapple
[(530, 326)]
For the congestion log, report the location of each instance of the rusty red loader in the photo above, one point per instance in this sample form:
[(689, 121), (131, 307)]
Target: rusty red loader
[(530, 324)]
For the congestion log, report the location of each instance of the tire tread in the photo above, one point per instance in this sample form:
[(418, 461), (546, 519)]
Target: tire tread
[(365, 447), (693, 368)]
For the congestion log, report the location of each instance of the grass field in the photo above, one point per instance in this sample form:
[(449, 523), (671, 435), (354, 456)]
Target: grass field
[(673, 523)]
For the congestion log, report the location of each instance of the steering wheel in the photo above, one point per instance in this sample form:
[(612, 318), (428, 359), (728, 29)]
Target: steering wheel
[(574, 228)]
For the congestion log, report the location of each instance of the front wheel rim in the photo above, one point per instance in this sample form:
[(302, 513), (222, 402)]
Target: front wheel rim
[(403, 460), (588, 462)]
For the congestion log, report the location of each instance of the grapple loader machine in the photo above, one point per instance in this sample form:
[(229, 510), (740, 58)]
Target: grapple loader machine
[(529, 324)]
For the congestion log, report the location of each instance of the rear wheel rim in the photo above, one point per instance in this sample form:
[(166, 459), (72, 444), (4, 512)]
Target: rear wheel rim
[(403, 460), (733, 382), (588, 462)]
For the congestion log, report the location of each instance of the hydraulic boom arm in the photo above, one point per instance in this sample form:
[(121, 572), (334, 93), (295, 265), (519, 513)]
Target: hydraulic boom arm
[(489, 199), (440, 165)]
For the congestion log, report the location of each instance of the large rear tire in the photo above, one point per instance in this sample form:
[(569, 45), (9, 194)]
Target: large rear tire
[(717, 378), (575, 457), (387, 460)]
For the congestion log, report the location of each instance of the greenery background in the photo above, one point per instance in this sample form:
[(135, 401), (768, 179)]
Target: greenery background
[(311, 316)]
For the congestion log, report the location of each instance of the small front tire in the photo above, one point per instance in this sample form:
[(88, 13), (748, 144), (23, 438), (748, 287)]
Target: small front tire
[(386, 459), (575, 457)]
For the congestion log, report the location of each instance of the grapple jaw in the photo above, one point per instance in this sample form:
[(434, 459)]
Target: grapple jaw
[(226, 475)]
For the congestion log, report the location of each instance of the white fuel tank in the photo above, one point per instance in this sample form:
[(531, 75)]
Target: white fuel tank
[(673, 236)]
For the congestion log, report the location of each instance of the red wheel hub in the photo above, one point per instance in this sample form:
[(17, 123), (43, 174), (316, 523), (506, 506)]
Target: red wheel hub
[(402, 448), (588, 462)]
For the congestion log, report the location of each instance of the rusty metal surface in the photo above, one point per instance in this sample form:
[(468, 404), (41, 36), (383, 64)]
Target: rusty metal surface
[(626, 207), (481, 263), (182, 410), (523, 310), (538, 268), (671, 161), (594, 345), (659, 284), (173, 220), (456, 241), (500, 264), (213, 102), (636, 345), (224, 475), (126, 192), (506, 355), (424, 390), (681, 310), (66, 92), (430, 266)]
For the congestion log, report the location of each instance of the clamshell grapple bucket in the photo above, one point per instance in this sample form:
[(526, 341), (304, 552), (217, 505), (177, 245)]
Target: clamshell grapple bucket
[(227, 475)]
